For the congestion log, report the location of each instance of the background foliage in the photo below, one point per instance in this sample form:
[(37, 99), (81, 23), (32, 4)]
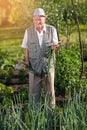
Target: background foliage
[(15, 110)]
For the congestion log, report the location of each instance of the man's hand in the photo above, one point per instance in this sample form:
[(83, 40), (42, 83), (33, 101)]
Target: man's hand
[(54, 47)]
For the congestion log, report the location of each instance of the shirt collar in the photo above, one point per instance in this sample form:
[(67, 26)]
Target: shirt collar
[(44, 28)]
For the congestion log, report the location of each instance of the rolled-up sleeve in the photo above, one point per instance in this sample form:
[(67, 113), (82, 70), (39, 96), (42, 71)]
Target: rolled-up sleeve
[(25, 40), (55, 37)]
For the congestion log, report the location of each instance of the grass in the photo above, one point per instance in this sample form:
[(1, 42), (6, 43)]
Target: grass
[(43, 117), (11, 39)]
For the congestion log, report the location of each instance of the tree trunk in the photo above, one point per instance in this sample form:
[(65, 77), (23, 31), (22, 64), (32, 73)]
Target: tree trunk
[(79, 34)]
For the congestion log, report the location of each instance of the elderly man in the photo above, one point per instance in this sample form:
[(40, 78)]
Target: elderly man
[(39, 42)]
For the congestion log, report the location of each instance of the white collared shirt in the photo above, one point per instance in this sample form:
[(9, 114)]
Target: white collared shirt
[(40, 37)]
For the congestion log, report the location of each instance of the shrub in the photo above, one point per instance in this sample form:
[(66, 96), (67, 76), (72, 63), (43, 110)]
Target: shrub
[(67, 69)]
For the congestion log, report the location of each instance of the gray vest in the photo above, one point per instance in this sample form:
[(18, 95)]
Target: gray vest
[(40, 57)]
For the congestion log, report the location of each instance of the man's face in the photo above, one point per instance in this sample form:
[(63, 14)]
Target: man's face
[(39, 21)]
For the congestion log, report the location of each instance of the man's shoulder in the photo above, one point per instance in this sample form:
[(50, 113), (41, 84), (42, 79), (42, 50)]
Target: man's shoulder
[(30, 28)]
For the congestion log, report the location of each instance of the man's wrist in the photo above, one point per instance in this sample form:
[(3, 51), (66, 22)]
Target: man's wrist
[(27, 60), (27, 63)]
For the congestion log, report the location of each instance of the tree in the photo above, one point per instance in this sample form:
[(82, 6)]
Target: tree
[(5, 10), (21, 12), (2, 15)]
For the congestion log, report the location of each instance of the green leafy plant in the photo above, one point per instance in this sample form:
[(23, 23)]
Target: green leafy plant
[(6, 67), (22, 76), (67, 70), (74, 116), (43, 117)]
